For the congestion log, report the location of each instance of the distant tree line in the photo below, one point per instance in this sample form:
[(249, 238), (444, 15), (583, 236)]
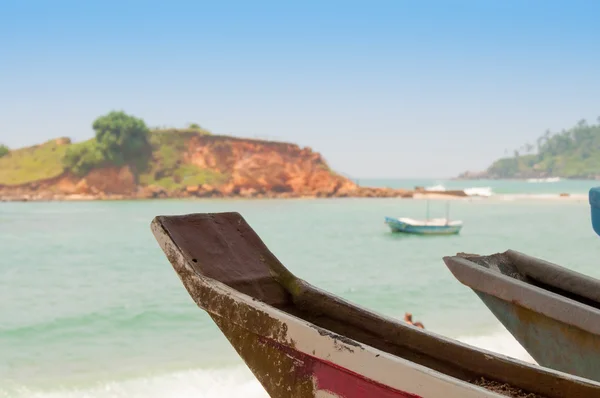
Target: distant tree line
[(119, 139), (569, 153), (4, 150)]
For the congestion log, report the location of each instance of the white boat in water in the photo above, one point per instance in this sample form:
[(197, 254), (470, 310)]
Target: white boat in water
[(430, 226), (436, 226)]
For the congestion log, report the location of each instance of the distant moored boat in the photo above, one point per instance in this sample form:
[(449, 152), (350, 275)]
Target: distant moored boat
[(435, 226)]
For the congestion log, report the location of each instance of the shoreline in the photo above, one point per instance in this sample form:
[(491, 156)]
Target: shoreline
[(338, 190), (436, 196), (529, 179)]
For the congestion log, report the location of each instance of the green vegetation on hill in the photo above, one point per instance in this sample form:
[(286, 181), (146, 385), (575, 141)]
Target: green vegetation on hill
[(120, 139), (4, 150), (167, 168), (156, 156), (572, 153), (32, 163)]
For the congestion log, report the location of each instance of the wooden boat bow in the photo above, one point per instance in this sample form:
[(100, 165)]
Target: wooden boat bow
[(300, 341), (224, 248)]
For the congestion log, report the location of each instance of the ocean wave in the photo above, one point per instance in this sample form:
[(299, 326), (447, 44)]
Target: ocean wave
[(99, 321), (542, 196), (549, 179), (472, 191), (217, 383), (479, 191), (501, 342), (201, 383), (436, 188)]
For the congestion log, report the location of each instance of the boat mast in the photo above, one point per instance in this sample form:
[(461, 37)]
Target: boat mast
[(447, 212), (427, 209)]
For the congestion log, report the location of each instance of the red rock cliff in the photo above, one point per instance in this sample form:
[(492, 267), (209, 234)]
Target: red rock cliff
[(250, 168), (266, 167)]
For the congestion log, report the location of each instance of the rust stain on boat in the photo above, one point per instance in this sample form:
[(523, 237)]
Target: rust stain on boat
[(215, 302), (280, 374)]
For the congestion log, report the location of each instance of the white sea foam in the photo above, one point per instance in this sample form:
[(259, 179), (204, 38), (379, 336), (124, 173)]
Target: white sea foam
[(436, 188), (222, 383), (479, 191), (542, 196), (501, 342), (549, 179), (472, 191)]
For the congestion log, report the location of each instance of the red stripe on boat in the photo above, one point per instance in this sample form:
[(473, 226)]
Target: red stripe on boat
[(347, 384), (337, 380)]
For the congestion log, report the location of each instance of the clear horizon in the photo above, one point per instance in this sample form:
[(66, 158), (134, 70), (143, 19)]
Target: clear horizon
[(386, 88)]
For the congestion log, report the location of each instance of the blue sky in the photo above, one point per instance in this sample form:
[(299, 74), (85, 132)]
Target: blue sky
[(380, 88)]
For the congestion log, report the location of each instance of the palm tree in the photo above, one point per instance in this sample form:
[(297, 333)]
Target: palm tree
[(528, 147)]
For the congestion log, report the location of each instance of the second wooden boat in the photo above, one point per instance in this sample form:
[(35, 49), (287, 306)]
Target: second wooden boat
[(552, 311), (302, 342)]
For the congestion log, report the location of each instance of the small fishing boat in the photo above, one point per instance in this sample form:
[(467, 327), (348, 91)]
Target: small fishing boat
[(553, 312), (302, 342), (435, 226)]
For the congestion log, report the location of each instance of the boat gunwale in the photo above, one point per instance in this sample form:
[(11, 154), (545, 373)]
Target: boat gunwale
[(522, 293), (547, 273)]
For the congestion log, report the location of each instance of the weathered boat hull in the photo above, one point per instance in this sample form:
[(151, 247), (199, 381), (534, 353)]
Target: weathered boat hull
[(402, 227), (302, 342), (551, 311), (292, 358)]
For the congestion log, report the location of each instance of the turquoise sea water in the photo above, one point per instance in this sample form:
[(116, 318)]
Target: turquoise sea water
[(90, 307)]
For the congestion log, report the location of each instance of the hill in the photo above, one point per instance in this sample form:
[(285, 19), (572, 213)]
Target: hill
[(127, 160), (572, 153)]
